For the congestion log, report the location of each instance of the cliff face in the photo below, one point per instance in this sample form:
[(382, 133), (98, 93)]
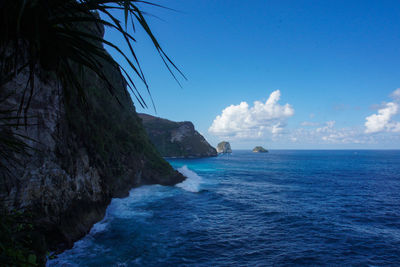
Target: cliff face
[(83, 154), (176, 139), (224, 147)]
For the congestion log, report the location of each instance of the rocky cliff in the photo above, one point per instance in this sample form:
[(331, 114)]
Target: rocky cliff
[(176, 139), (224, 147), (83, 153)]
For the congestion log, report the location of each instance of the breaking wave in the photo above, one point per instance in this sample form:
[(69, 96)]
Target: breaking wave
[(192, 182)]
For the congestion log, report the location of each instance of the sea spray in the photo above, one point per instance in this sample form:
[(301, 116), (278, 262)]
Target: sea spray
[(192, 182), (125, 215)]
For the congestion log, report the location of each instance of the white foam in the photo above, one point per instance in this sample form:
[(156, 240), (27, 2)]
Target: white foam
[(99, 227), (133, 206), (192, 182)]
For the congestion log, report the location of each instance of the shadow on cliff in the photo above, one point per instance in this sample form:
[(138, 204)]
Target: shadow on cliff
[(69, 106)]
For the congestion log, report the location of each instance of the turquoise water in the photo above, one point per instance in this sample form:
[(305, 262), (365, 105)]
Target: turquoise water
[(250, 209)]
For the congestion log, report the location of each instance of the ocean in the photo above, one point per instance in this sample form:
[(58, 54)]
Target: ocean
[(282, 208)]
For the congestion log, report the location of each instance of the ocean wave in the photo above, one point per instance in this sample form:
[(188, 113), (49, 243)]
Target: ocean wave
[(256, 211), (99, 227), (192, 182)]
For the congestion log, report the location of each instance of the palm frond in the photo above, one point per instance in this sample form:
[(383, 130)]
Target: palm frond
[(51, 32), (64, 37)]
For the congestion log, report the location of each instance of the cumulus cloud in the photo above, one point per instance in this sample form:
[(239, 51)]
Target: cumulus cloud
[(244, 121), (382, 121), (396, 94)]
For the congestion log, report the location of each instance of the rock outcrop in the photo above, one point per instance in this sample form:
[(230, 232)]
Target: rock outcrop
[(83, 154), (224, 147), (259, 149), (176, 139)]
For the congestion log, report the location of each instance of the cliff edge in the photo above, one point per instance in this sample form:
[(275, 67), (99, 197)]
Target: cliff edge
[(176, 139), (83, 152)]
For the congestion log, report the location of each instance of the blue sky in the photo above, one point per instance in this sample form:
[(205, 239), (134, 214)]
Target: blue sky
[(329, 70)]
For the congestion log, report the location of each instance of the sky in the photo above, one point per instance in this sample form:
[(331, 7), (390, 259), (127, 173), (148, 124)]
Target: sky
[(280, 74)]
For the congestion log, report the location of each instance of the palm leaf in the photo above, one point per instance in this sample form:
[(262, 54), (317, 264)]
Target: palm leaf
[(54, 35), (29, 19)]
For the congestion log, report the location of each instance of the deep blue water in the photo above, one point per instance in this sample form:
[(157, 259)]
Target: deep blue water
[(247, 209)]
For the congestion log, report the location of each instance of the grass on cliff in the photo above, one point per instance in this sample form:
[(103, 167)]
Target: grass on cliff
[(112, 130)]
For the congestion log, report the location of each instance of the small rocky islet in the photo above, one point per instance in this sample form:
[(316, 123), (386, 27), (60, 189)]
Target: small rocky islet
[(224, 147), (260, 149)]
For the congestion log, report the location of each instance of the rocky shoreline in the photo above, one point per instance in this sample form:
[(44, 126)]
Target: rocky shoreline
[(81, 156)]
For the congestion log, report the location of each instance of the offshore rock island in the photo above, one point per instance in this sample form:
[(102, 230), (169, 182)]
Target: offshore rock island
[(176, 139), (224, 147), (260, 149)]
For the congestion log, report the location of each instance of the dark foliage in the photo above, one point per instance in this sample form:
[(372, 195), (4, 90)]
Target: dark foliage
[(48, 33), (19, 244)]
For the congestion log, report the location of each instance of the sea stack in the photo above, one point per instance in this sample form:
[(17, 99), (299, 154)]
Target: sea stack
[(224, 147), (259, 149)]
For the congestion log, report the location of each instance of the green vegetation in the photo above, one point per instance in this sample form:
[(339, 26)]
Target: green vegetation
[(159, 131), (176, 139), (37, 35), (259, 149), (111, 131), (19, 243), (63, 38)]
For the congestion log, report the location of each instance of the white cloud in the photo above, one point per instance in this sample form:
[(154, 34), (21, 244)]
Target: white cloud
[(277, 128), (334, 136), (329, 134), (343, 136), (243, 121), (396, 94), (327, 128), (309, 123), (382, 120)]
